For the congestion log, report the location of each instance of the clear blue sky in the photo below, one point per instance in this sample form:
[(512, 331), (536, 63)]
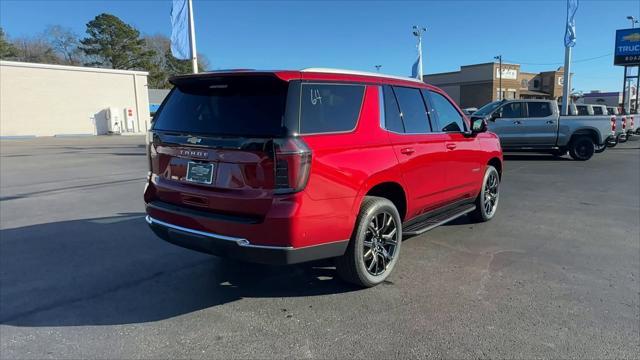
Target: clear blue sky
[(360, 34)]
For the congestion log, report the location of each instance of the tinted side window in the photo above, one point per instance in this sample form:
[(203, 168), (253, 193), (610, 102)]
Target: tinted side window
[(329, 107), (512, 110), (393, 121), (414, 113), (597, 110), (539, 109), (449, 118)]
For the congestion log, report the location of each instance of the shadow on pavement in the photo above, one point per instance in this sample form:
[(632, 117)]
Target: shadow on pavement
[(114, 270), (534, 157)]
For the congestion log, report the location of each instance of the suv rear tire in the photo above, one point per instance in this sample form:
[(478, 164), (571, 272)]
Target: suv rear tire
[(374, 247), (582, 148), (487, 200)]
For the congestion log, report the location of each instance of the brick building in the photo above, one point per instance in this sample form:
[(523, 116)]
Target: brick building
[(476, 85)]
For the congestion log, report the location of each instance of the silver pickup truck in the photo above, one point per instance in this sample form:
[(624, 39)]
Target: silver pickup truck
[(535, 125)]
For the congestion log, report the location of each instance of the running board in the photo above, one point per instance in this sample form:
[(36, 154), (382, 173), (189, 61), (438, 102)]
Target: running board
[(437, 220)]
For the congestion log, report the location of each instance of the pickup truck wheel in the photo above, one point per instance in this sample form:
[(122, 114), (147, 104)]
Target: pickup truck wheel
[(582, 148), (487, 200), (374, 247)]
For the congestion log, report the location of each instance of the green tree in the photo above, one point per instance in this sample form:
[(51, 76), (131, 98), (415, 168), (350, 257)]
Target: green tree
[(115, 44), (7, 50)]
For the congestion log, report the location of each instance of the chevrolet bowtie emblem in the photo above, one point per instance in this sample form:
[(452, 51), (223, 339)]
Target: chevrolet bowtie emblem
[(194, 140)]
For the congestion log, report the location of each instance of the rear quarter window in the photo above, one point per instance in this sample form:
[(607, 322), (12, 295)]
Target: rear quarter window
[(327, 108), (597, 110)]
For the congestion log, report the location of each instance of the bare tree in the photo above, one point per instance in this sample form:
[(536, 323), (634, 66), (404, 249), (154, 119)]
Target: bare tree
[(65, 43), (35, 50)]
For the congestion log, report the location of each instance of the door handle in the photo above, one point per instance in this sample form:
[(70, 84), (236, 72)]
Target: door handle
[(517, 122), (408, 151), (451, 146)]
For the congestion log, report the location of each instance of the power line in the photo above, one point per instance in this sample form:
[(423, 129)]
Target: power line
[(561, 63)]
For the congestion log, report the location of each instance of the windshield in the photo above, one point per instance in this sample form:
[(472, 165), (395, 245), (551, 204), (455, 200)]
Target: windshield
[(231, 106), (488, 109)]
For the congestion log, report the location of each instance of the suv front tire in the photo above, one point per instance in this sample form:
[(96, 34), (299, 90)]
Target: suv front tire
[(487, 201)]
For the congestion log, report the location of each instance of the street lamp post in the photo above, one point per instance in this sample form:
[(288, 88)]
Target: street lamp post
[(626, 90), (378, 67), (417, 32), (499, 58)]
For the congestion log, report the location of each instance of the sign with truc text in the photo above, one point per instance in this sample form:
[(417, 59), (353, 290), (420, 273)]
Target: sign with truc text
[(627, 50)]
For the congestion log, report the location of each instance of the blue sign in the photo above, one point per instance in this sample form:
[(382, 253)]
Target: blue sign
[(627, 47)]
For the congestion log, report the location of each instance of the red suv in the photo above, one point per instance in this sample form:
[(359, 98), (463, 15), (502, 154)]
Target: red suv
[(283, 167)]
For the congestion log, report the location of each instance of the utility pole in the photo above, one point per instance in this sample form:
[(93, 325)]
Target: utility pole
[(499, 58), (417, 32)]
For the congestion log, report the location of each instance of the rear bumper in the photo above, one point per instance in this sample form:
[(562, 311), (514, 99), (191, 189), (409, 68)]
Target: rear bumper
[(240, 248)]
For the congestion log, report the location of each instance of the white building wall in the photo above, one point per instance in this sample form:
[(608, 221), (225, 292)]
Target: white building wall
[(48, 100)]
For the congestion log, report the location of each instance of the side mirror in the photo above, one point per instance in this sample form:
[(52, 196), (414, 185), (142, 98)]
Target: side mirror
[(479, 125), (495, 115)]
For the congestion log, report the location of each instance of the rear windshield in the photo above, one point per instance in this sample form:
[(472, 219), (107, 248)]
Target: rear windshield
[(225, 106)]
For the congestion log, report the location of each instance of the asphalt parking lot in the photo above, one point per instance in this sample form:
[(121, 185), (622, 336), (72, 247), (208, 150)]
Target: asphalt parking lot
[(556, 274)]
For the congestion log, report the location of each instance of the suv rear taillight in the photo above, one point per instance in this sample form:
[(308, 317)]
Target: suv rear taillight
[(292, 165), (624, 123), (631, 123), (613, 124), (148, 144)]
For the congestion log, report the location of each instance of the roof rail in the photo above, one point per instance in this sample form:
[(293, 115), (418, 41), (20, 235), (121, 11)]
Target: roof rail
[(354, 72)]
